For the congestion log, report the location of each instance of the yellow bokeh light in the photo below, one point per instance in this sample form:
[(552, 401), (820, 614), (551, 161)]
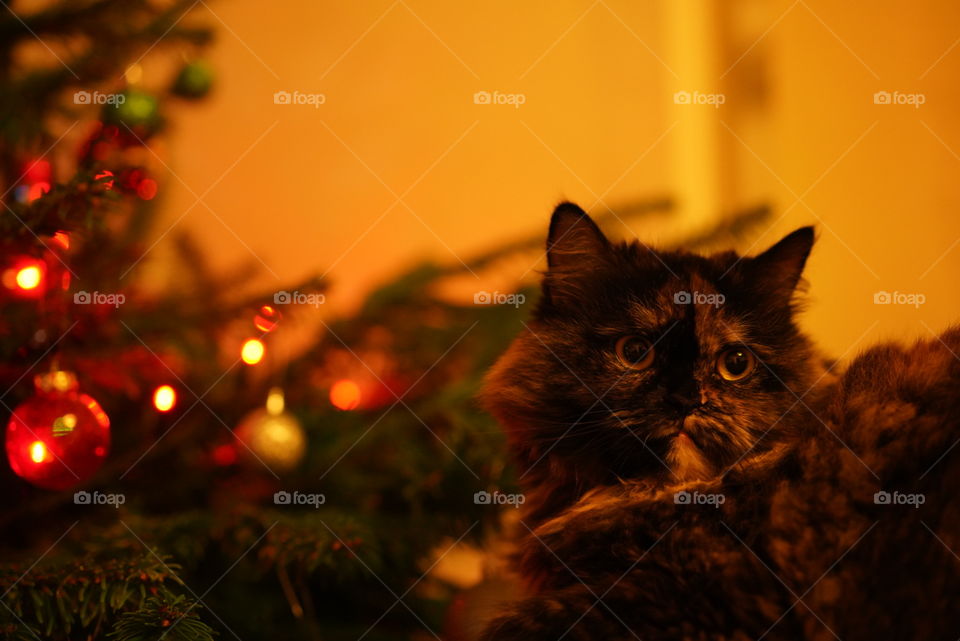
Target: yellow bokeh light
[(252, 351), (133, 74), (164, 398), (38, 451), (29, 277), (275, 402)]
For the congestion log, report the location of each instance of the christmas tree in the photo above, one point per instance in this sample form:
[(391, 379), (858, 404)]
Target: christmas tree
[(166, 476)]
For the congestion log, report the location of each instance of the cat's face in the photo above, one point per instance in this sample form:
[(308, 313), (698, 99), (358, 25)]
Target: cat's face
[(643, 363)]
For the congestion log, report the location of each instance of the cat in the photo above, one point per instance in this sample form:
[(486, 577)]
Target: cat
[(694, 469)]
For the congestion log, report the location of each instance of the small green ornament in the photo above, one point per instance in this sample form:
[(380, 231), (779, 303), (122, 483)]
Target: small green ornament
[(138, 110), (193, 81)]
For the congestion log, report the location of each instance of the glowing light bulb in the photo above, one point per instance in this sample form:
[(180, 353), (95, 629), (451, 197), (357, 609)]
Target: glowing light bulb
[(252, 351), (38, 452), (345, 394), (29, 277), (164, 398)]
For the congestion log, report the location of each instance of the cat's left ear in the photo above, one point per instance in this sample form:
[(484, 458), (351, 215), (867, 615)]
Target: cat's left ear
[(778, 269), (576, 248), (574, 243)]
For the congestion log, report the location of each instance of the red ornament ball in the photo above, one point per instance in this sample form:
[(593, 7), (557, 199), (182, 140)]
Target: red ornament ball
[(267, 318), (59, 437)]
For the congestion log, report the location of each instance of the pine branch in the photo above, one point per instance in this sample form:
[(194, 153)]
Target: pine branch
[(59, 599), (159, 618)]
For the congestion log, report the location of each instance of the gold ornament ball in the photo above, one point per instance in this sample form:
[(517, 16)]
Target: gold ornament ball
[(273, 435)]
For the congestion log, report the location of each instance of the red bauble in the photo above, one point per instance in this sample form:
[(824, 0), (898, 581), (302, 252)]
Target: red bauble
[(59, 437)]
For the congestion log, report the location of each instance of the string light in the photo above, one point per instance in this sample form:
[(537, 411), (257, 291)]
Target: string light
[(252, 351), (25, 277), (38, 451), (29, 277), (164, 398)]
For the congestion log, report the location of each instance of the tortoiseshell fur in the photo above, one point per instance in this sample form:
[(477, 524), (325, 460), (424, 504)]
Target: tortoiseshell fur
[(800, 547)]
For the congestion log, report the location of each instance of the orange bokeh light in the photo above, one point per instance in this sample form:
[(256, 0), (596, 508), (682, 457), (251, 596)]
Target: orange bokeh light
[(164, 398), (252, 351), (345, 394)]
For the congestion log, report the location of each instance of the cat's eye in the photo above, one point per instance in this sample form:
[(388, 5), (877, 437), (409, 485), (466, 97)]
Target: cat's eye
[(736, 363), (635, 352)]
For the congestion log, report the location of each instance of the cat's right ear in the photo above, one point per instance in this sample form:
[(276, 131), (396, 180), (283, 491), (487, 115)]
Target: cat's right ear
[(777, 271), (575, 248)]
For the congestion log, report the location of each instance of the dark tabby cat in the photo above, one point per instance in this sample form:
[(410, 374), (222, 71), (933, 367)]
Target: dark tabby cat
[(694, 471)]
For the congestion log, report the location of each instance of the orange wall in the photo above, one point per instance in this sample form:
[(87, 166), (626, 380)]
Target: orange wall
[(887, 210), (310, 189), (399, 81)]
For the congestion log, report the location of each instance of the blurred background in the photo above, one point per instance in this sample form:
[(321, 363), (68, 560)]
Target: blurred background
[(242, 249), (302, 187)]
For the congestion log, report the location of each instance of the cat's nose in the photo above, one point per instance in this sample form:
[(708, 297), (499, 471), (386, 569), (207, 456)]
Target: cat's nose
[(686, 400)]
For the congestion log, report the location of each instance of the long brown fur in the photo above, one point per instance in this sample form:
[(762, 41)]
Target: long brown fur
[(801, 545)]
